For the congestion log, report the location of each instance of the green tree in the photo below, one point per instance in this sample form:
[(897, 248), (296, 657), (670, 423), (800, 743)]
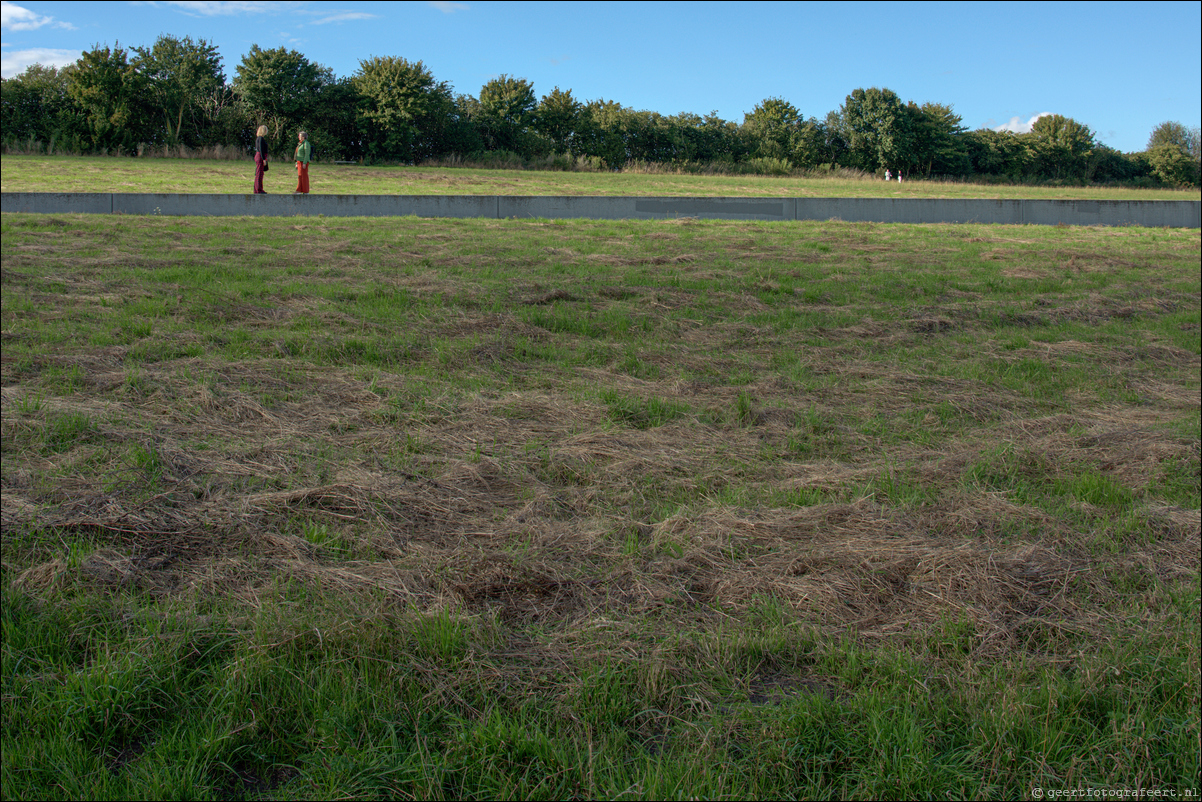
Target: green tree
[(462, 134), (181, 74), (1111, 165), (225, 120), (507, 107), (773, 127), (1170, 133), (835, 139), (332, 123), (402, 108), (878, 129), (695, 141), (1062, 147), (1171, 164), (726, 140), (112, 95), (279, 86), (36, 106), (811, 146), (601, 132), (1001, 153), (557, 116), (938, 145), (689, 137), (1175, 154), (651, 137)]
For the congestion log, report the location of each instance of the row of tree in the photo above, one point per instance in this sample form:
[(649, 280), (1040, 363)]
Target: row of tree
[(176, 93)]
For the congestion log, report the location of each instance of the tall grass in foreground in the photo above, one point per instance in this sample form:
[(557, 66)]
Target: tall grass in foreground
[(115, 699), (550, 509)]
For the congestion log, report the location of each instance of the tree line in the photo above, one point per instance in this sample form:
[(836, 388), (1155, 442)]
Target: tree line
[(175, 93)]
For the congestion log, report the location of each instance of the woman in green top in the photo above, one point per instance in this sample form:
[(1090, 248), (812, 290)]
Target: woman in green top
[(303, 151)]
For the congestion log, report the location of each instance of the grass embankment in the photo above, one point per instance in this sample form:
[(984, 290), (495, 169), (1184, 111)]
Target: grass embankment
[(448, 508), (103, 174)]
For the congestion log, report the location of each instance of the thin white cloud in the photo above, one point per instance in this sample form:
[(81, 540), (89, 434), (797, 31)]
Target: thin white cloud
[(221, 8), (345, 16), (16, 18), (14, 63), (1017, 125), (555, 62), (446, 6)]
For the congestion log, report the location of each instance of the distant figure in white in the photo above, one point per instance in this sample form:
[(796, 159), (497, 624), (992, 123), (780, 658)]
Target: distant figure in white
[(899, 176), (888, 175)]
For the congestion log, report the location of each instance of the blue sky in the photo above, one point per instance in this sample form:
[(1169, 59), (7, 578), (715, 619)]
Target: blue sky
[(1121, 68)]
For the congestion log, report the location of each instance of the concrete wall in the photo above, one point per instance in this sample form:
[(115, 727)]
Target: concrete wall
[(1175, 214)]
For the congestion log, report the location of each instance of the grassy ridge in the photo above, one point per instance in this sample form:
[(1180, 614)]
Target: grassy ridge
[(472, 508), (100, 174)]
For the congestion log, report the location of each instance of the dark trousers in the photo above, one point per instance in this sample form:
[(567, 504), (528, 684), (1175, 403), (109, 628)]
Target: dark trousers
[(260, 166)]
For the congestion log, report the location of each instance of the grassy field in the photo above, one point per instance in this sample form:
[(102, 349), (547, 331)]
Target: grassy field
[(100, 174), (479, 509)]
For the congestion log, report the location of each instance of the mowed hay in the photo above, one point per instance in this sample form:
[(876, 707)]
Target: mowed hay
[(455, 460), (475, 524)]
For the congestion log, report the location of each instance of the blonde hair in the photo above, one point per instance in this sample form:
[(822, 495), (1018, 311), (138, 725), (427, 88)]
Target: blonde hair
[(262, 131)]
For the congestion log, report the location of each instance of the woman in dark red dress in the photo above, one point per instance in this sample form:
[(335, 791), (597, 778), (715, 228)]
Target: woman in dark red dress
[(260, 159)]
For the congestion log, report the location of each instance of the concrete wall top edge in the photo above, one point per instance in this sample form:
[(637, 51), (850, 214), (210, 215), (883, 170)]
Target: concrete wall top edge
[(1081, 212), (824, 198)]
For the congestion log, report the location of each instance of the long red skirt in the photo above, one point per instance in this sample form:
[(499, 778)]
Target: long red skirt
[(302, 178)]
